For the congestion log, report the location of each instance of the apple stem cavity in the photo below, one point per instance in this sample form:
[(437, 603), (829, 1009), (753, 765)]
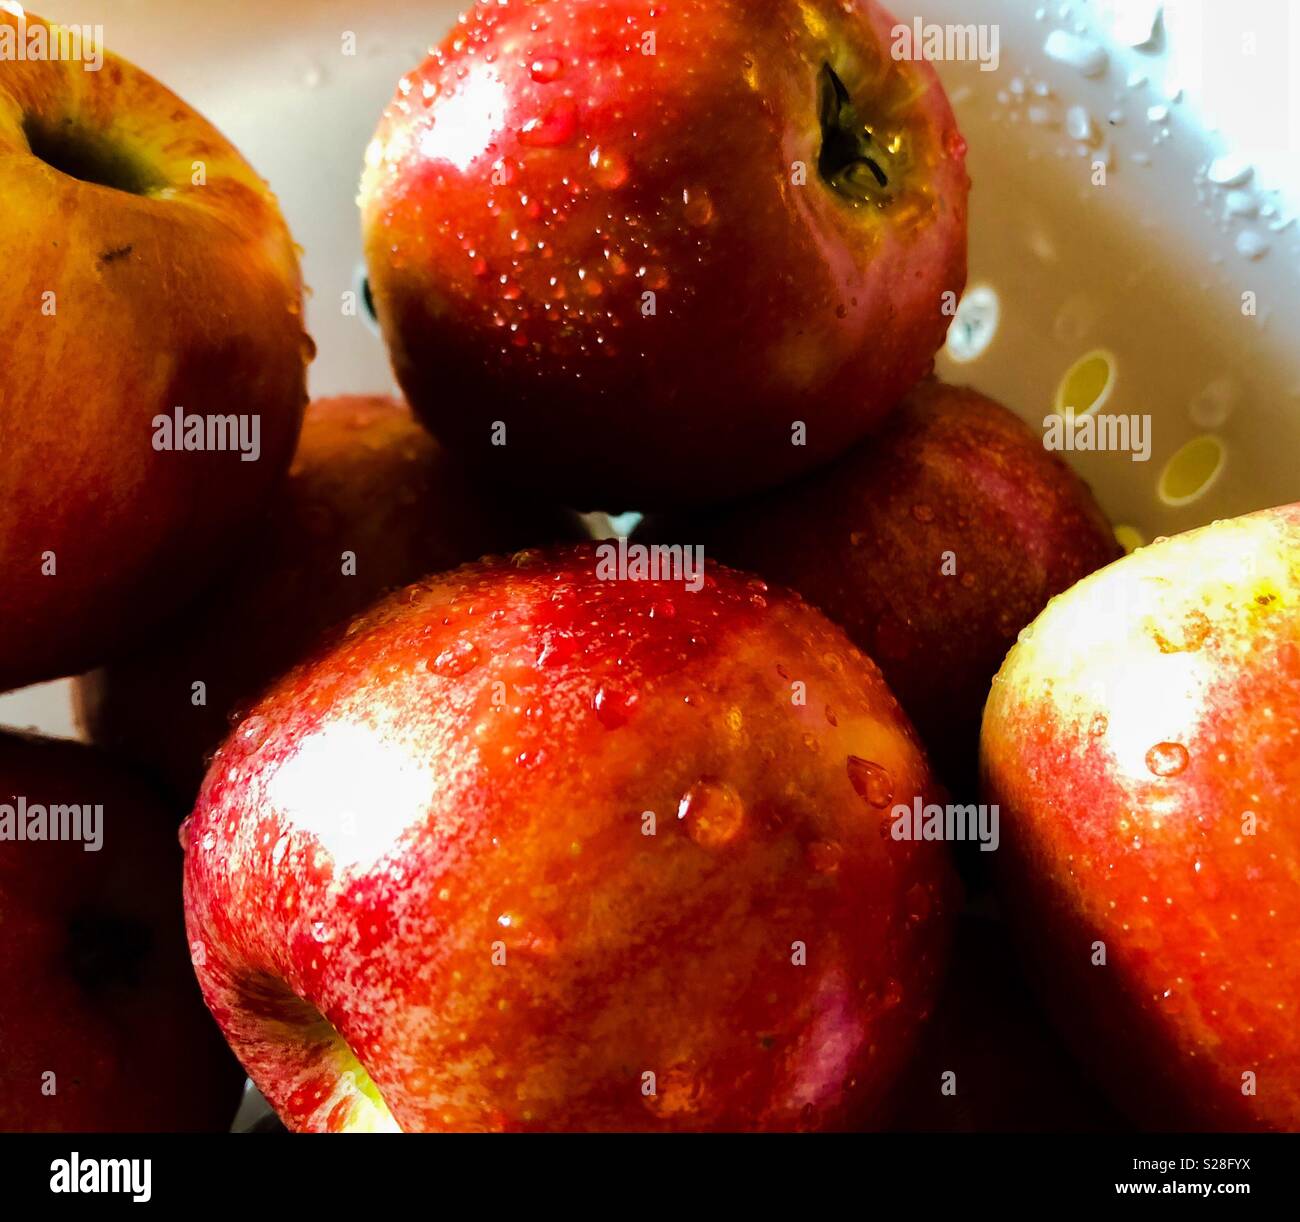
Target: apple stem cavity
[(88, 156), (851, 161)]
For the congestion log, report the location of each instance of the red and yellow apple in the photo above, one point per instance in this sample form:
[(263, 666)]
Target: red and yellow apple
[(148, 273), (933, 543), (1143, 744), (372, 503), (534, 850), (656, 254), (101, 1025)]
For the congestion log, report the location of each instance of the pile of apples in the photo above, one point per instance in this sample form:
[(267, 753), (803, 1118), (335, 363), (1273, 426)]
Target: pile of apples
[(524, 845)]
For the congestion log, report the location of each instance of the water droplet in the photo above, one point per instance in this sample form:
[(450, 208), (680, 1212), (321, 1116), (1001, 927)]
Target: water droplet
[(1082, 54), (546, 69), (456, 660), (1099, 724), (871, 781), (1251, 244), (611, 169), (824, 856), (1241, 203), (713, 812), (557, 127), (699, 207), (1078, 124), (613, 704), (1167, 759), (923, 514), (531, 935), (1229, 171)]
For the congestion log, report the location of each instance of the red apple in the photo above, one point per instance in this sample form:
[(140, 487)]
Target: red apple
[(932, 544), (101, 1026), (664, 253), (988, 1061), (148, 272), (1143, 743), (532, 850), (372, 502)]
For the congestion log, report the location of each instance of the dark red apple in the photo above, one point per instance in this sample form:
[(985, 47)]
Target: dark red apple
[(659, 253), (988, 1061), (101, 1025), (372, 503), (1143, 743), (532, 850), (932, 543)]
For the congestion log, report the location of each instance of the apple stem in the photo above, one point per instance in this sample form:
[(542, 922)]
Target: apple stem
[(851, 162)]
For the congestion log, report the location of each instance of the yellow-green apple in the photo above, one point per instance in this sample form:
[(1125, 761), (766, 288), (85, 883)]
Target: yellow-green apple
[(101, 1025), (152, 384), (1143, 744), (542, 846), (932, 543), (654, 254), (372, 502)]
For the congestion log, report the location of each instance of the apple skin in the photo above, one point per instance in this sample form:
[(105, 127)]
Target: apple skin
[(1127, 735), (366, 479), (1013, 1074), (99, 989), (538, 174), (467, 775), (178, 295), (865, 540)]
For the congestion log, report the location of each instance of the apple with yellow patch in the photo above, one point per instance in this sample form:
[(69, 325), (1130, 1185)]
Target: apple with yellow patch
[(147, 272), (1143, 743)]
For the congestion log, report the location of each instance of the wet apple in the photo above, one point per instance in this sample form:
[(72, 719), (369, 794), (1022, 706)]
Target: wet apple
[(661, 254), (1143, 742), (528, 850)]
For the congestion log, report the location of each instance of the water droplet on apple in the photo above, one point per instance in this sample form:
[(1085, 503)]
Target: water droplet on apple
[(870, 781), (713, 812), (824, 856), (1098, 725), (456, 660), (611, 169), (557, 127), (613, 704), (531, 935), (546, 68), (923, 514), (699, 209), (1167, 759)]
